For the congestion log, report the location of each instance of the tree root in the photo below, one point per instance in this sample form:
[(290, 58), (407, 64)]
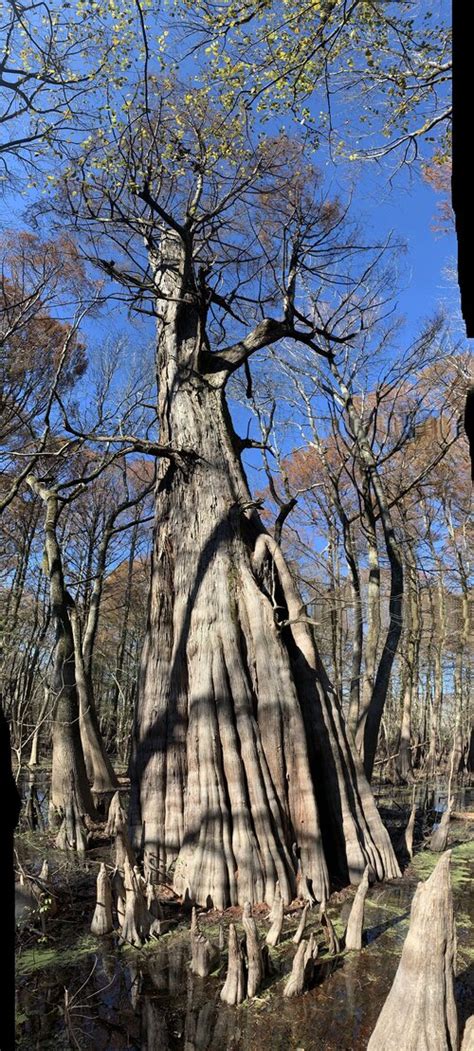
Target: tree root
[(301, 926), (255, 962), (332, 940), (102, 918), (203, 953), (233, 990), (353, 935)]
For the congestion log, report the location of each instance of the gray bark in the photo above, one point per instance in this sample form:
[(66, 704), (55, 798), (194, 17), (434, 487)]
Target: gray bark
[(102, 918), (420, 1011), (240, 748), (330, 936), (99, 768), (355, 925), (70, 792), (301, 926), (253, 949), (203, 954), (439, 838), (409, 831), (468, 1036), (233, 990), (403, 762), (273, 936), (373, 613)]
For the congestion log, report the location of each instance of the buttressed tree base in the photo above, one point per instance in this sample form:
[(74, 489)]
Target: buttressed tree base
[(241, 765)]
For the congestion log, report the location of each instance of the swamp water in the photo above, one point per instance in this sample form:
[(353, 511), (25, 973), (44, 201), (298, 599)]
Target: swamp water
[(75, 991)]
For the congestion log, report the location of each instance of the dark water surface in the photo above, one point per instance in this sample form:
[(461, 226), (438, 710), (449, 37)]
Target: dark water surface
[(76, 991)]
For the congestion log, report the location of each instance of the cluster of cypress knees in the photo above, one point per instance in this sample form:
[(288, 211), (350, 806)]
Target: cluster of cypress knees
[(249, 962)]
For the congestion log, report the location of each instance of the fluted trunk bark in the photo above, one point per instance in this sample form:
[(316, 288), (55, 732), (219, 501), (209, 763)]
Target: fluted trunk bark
[(241, 764)]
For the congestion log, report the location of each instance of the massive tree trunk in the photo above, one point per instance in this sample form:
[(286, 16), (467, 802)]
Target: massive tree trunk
[(241, 763)]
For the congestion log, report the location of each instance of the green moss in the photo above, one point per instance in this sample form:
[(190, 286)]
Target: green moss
[(383, 906), (40, 957), (36, 959), (462, 858)]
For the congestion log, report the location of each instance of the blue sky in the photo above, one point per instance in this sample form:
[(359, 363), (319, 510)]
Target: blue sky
[(406, 206)]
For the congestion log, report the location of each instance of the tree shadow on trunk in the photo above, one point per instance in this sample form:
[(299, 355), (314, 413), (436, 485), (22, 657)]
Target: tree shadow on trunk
[(250, 746)]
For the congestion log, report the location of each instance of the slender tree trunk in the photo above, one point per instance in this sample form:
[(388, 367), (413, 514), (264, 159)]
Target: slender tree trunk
[(350, 552), (114, 700), (99, 768), (457, 754), (373, 615), (358, 630), (33, 760), (403, 762), (334, 611), (434, 750), (68, 768), (370, 472), (392, 638), (11, 805), (240, 750)]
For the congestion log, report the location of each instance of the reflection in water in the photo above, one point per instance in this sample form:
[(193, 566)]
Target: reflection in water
[(428, 796), (154, 1030), (149, 1000)]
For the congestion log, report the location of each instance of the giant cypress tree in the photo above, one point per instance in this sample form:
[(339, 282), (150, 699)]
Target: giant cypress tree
[(241, 770)]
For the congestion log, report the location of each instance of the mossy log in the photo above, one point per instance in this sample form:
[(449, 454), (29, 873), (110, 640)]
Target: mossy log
[(255, 963), (233, 990), (420, 1011), (354, 929), (102, 918)]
